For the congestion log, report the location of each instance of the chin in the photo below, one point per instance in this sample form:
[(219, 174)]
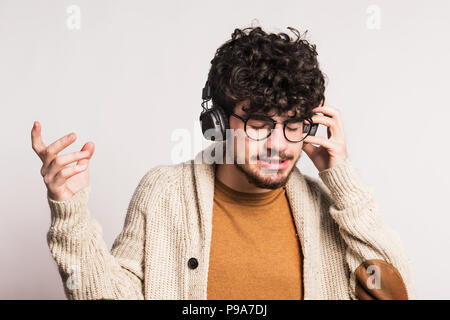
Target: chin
[(263, 178)]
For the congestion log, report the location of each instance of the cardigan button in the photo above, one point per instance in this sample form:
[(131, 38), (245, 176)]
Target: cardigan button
[(193, 263)]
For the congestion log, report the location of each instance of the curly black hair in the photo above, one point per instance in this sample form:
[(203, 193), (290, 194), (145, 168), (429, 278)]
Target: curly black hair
[(271, 70)]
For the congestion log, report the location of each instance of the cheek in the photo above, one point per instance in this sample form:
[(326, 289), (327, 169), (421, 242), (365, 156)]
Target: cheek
[(295, 150)]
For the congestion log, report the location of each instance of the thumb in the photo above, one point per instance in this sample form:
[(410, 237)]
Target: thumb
[(309, 149), (88, 146)]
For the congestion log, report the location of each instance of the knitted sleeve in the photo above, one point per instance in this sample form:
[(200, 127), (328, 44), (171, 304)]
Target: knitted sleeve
[(87, 268), (379, 268)]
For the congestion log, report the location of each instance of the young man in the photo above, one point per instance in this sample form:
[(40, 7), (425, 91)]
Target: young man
[(255, 228)]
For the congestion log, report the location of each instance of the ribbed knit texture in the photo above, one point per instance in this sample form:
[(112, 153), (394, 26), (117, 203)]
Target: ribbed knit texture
[(169, 221)]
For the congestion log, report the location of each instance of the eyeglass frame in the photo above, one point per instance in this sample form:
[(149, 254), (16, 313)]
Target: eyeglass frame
[(245, 120)]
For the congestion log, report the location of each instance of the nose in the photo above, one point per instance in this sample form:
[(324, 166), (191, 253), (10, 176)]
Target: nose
[(276, 140)]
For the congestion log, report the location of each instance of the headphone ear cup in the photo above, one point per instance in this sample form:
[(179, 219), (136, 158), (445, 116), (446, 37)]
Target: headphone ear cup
[(214, 123), (314, 127), (223, 119)]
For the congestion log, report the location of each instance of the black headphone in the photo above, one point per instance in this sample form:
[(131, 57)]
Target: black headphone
[(214, 121)]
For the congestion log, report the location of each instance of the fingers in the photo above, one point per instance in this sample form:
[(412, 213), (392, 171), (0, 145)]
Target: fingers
[(61, 177), (52, 150), (36, 140), (326, 121), (321, 141), (89, 147), (331, 118), (328, 110), (309, 149), (62, 161), (59, 169)]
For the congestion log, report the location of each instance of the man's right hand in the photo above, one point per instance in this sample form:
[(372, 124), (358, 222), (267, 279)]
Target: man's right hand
[(61, 179)]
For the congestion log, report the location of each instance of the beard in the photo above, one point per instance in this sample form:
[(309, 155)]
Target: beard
[(261, 180)]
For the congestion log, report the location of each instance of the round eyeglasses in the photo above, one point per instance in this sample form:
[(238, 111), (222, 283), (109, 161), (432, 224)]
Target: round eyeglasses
[(259, 127)]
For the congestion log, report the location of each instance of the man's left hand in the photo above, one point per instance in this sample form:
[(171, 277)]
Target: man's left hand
[(332, 150)]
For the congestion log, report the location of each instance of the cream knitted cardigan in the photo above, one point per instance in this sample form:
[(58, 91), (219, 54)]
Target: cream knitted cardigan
[(169, 221)]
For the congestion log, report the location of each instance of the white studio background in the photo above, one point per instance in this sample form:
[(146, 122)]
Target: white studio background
[(127, 74)]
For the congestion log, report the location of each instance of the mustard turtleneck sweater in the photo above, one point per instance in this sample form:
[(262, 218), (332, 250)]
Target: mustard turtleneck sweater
[(255, 251)]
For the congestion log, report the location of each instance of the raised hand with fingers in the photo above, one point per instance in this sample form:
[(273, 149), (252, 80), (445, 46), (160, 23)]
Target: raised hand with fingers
[(333, 149), (62, 179)]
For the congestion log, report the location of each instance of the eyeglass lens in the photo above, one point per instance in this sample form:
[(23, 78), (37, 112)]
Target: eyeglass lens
[(259, 128)]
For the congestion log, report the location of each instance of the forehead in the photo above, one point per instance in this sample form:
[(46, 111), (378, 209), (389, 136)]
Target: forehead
[(273, 113)]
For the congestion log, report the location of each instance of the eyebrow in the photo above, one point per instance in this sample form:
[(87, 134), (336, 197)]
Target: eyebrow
[(293, 117), (296, 114)]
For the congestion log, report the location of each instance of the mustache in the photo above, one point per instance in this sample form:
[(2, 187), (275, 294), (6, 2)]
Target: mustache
[(281, 155)]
